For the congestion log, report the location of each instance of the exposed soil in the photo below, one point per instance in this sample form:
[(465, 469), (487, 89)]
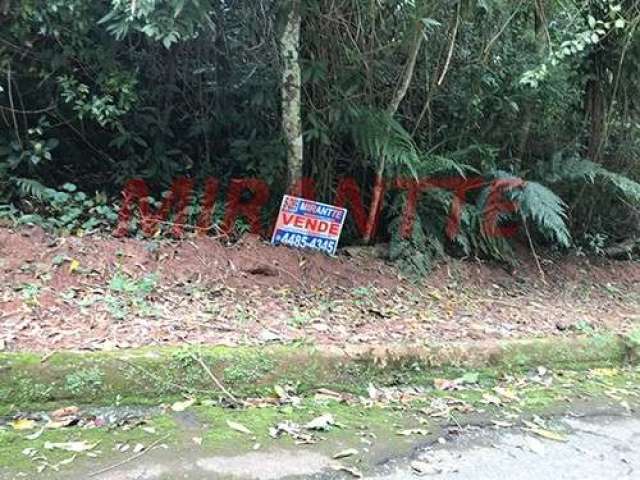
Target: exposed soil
[(98, 293)]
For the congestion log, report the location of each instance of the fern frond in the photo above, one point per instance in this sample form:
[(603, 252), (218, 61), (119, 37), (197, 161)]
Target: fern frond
[(378, 135), (436, 164), (624, 185), (575, 168), (546, 210), (28, 187), (536, 204), (562, 169)]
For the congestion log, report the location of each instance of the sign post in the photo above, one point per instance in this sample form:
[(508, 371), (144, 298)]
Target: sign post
[(309, 225)]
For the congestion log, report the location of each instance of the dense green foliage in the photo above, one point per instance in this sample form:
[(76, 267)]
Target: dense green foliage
[(97, 92)]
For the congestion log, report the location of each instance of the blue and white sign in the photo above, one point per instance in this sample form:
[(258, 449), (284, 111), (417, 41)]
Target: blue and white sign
[(309, 225)]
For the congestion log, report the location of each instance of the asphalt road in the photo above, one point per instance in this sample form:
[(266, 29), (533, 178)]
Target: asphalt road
[(597, 447), (600, 448)]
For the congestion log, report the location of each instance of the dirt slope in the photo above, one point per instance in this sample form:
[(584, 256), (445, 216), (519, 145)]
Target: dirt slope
[(95, 293)]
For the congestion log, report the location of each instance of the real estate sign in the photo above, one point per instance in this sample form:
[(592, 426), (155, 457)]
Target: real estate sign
[(309, 225)]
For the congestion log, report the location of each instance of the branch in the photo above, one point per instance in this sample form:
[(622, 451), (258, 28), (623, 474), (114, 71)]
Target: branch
[(453, 42), (29, 112), (130, 459), (216, 381), (13, 110), (401, 92), (489, 46)]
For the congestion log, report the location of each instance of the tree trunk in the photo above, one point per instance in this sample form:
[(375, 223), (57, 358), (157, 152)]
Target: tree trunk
[(595, 99), (291, 94), (596, 112), (539, 10)]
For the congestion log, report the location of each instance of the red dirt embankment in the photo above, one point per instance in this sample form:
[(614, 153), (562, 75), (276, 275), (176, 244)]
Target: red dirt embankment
[(97, 293)]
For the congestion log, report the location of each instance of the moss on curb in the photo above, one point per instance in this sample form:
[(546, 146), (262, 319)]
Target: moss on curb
[(148, 375), (203, 430)]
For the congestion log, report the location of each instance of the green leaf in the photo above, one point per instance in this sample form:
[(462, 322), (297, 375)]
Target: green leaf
[(546, 211)]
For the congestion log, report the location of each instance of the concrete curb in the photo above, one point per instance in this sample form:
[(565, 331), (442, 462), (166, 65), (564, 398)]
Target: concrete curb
[(148, 375)]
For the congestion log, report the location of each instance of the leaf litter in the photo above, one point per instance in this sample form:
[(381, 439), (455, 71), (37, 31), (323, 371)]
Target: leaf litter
[(74, 419), (423, 403), (364, 301)]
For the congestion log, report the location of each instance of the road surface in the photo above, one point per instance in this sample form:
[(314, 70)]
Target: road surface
[(597, 448)]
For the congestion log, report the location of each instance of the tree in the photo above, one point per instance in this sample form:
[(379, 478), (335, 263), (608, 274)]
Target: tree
[(291, 92), (97, 93)]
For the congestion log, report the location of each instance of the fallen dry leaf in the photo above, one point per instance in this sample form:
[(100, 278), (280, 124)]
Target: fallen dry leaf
[(502, 424), (36, 435), (123, 447), (604, 372), (548, 434), (74, 266), (350, 452), (64, 412), (293, 430), (30, 452), (23, 424), (353, 471), (326, 394), (238, 427), (323, 422), (76, 447), (182, 406), (63, 463)]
